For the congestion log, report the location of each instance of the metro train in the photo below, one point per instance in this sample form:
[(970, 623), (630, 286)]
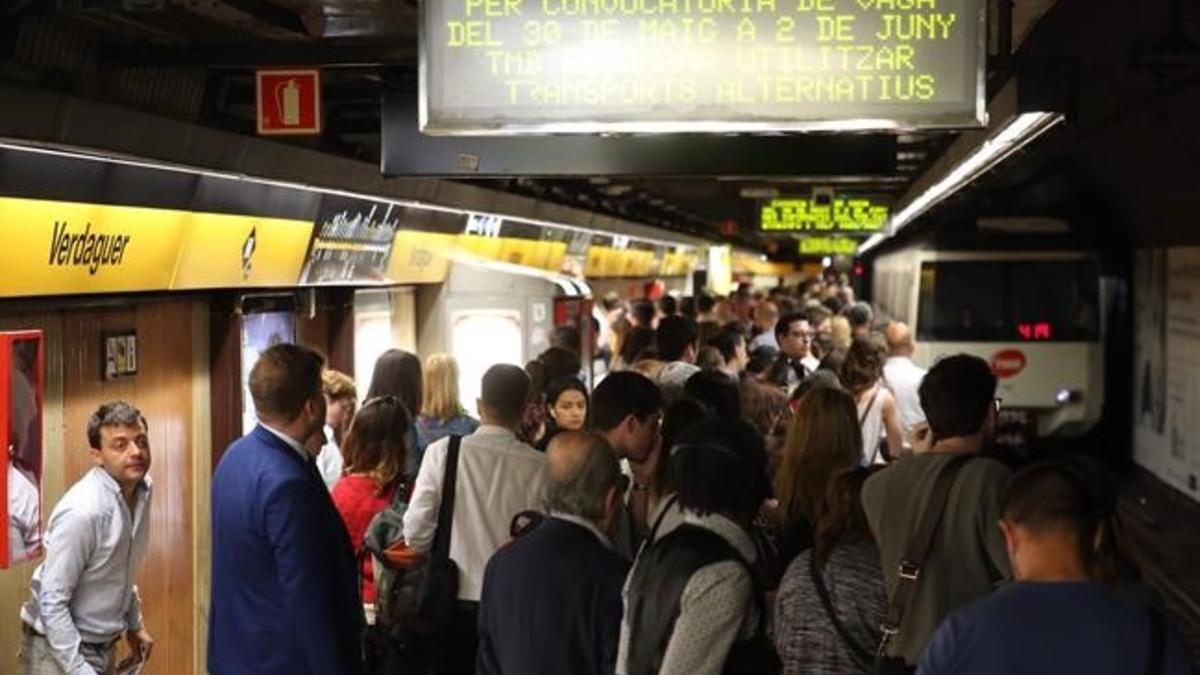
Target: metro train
[(1035, 316)]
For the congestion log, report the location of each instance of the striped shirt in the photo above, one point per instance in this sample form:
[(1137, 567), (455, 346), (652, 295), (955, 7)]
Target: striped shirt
[(804, 635)]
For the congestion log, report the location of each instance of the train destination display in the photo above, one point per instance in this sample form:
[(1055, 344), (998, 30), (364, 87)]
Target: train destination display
[(841, 214), (584, 66)]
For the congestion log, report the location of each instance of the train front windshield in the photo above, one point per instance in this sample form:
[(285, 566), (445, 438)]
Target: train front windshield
[(1007, 301)]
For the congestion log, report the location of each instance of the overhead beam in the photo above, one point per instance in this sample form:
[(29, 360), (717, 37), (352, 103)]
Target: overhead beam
[(393, 52)]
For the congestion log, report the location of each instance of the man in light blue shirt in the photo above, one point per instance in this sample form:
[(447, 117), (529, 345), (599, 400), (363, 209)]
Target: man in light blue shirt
[(82, 597)]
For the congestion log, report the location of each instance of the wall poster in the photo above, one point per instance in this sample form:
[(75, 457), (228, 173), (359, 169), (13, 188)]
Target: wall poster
[(1167, 365)]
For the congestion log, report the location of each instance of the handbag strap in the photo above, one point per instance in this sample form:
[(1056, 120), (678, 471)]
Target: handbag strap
[(662, 513), (917, 549), (863, 655), (862, 419), (1158, 643), (441, 540)]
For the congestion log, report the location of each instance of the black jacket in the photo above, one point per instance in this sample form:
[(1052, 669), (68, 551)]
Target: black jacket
[(551, 604)]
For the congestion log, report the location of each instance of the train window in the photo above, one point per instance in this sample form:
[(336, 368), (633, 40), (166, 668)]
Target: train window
[(961, 301), (1005, 301), (480, 339)]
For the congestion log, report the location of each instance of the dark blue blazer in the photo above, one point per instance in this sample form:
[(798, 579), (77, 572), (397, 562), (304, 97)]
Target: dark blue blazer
[(285, 596), (551, 604)]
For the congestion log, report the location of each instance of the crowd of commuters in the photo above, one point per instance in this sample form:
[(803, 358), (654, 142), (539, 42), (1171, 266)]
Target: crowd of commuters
[(744, 491)]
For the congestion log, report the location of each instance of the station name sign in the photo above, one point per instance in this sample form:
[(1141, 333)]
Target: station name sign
[(841, 215), (584, 66)]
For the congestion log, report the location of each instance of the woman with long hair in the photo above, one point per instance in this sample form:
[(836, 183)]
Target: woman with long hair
[(862, 376), (823, 440), (831, 600), (398, 373), (374, 449), (565, 406), (441, 413)]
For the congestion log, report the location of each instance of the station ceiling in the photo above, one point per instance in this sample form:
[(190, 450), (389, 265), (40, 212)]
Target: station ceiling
[(195, 60)]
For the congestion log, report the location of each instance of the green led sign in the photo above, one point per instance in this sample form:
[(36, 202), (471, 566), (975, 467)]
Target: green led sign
[(828, 246), (700, 66), (842, 215)]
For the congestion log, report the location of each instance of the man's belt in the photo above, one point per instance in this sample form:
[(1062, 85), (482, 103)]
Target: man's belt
[(101, 646)]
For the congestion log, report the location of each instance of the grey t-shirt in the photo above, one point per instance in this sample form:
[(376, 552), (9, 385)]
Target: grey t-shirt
[(968, 557)]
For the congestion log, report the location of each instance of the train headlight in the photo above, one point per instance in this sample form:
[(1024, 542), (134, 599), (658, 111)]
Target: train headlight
[(1068, 396)]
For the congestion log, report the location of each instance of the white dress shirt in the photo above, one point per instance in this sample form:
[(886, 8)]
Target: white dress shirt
[(498, 477), (84, 590), (329, 460), (24, 516), (904, 377), (292, 443)]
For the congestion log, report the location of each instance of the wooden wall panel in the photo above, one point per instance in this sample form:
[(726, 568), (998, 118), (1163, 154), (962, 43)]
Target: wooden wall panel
[(162, 389)]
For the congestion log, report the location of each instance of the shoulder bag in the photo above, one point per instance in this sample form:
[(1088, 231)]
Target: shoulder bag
[(916, 551), (424, 596)]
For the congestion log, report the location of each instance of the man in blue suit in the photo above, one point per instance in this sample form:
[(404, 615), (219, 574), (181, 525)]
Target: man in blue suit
[(551, 600), (285, 594)]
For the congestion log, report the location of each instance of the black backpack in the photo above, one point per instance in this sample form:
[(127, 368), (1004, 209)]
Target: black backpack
[(656, 587)]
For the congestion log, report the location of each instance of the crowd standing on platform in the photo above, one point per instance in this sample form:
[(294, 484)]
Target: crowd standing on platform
[(761, 483)]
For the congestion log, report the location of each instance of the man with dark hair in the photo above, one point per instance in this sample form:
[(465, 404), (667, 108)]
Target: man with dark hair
[(285, 596), (676, 339), (720, 394), (794, 336), (551, 600), (498, 477), (678, 344), (642, 314), (566, 337), (1058, 617), (82, 596), (732, 346), (667, 305), (691, 594), (705, 304), (627, 409), (860, 317), (967, 557)]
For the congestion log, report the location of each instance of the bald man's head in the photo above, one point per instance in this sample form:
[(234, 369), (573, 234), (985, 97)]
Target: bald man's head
[(899, 339), (581, 470)]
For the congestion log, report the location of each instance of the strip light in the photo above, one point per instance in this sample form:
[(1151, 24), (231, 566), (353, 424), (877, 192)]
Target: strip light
[(1016, 134)]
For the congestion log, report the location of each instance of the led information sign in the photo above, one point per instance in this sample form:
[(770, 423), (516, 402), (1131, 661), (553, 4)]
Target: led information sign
[(513, 66), (843, 215), (828, 246)]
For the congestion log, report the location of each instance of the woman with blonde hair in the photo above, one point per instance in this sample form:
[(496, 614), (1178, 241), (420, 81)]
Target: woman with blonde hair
[(441, 413), (823, 439)]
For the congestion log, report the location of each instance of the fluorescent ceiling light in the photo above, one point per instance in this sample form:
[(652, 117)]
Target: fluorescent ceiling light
[(871, 242), (1016, 134)]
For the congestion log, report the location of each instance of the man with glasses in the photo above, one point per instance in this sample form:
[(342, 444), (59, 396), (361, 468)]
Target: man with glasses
[(627, 410), (794, 335), (968, 556)]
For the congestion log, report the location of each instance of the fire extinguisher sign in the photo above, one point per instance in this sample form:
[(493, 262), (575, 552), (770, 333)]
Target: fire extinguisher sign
[(289, 101)]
